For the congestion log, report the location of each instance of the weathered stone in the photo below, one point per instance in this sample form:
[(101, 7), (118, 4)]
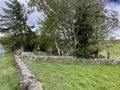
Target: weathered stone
[(27, 79), (35, 86), (27, 54)]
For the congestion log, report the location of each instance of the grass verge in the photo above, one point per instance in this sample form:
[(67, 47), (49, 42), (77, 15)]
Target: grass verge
[(75, 76), (8, 75)]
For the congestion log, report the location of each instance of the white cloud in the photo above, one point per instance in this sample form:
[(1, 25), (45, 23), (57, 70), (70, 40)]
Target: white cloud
[(113, 6), (116, 7), (23, 1)]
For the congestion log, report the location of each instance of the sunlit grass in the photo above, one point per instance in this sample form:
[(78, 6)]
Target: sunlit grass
[(8, 75), (114, 51), (75, 76)]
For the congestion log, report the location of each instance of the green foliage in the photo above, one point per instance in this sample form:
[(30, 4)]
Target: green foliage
[(84, 33), (75, 76), (46, 41), (9, 79), (84, 52), (30, 40), (91, 27), (75, 25), (12, 42), (14, 19), (13, 23), (41, 53), (9, 42)]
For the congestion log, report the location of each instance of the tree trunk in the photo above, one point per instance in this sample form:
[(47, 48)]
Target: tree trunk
[(58, 50), (22, 48)]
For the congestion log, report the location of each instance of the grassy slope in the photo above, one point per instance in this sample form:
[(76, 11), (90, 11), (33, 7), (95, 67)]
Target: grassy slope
[(76, 76), (8, 74), (114, 51)]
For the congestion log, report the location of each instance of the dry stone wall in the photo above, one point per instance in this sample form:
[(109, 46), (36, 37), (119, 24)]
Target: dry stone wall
[(70, 58), (27, 79)]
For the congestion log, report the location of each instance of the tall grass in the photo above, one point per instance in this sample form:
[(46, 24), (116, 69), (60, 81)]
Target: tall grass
[(75, 76), (8, 74)]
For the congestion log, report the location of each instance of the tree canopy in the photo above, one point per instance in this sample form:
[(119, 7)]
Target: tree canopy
[(80, 25), (70, 27), (13, 22)]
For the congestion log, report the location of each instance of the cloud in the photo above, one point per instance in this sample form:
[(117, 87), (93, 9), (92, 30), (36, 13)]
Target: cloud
[(114, 5), (33, 18), (23, 1)]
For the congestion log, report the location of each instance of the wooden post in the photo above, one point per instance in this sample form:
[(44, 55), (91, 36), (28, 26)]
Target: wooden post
[(108, 55)]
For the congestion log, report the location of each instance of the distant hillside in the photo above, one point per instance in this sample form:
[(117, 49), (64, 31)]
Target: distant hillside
[(117, 41)]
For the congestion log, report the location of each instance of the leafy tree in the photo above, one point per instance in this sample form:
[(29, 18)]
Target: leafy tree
[(14, 19), (92, 27), (81, 24), (59, 22), (13, 22), (29, 39)]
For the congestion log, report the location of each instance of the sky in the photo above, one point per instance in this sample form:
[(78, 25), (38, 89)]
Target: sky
[(32, 18), (115, 5)]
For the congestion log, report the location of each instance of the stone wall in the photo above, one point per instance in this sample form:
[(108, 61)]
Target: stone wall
[(27, 79), (70, 58)]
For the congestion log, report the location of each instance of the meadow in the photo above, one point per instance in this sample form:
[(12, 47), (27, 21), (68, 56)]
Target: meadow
[(114, 51), (64, 75), (8, 74), (75, 76)]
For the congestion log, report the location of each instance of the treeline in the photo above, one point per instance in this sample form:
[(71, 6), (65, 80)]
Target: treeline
[(70, 27)]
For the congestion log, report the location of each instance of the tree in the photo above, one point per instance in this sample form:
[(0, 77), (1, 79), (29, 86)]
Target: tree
[(84, 32), (14, 22), (61, 17), (92, 26), (79, 23), (14, 19), (29, 39)]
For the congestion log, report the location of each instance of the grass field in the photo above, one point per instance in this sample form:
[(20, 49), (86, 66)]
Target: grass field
[(75, 76), (8, 74), (114, 51)]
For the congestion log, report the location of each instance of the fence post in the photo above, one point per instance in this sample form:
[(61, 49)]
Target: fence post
[(108, 55)]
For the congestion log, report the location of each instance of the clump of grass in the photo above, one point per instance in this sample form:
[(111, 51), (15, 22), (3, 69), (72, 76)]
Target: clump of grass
[(75, 76), (8, 75)]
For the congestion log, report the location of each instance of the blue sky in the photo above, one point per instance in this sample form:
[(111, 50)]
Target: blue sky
[(115, 5), (112, 5)]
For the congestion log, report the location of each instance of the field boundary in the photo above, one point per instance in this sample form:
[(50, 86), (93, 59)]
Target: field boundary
[(27, 79), (71, 59)]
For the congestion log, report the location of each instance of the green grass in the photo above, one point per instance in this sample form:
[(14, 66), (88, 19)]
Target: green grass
[(8, 74), (75, 76), (114, 51), (41, 53)]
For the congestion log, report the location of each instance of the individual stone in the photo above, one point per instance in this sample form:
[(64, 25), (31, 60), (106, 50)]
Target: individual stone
[(35, 86)]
